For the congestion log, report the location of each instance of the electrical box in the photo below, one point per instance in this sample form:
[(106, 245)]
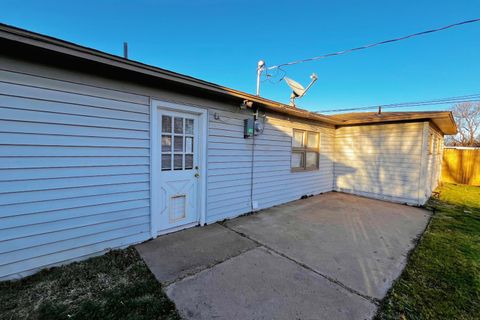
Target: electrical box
[(248, 127)]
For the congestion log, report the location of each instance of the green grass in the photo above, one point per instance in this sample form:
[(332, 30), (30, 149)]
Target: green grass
[(442, 276), (117, 285)]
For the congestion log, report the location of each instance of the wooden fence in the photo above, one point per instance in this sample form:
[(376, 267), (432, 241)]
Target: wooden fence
[(461, 165)]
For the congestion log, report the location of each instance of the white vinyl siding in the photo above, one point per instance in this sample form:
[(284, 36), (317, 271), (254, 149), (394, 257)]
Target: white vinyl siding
[(230, 160), (433, 161), (75, 163), (74, 172), (380, 161)]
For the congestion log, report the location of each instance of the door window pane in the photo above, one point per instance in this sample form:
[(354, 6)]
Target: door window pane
[(311, 159), (189, 126), (178, 143), (166, 124), (297, 141), (166, 161), (189, 144), (166, 143), (177, 161), (188, 161), (297, 159), (178, 125), (312, 140)]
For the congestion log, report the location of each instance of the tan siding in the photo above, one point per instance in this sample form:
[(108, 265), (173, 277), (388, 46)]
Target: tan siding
[(380, 161), (433, 161)]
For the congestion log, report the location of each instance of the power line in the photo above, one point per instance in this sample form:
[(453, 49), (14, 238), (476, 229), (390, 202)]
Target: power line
[(374, 44), (440, 101), (401, 106)]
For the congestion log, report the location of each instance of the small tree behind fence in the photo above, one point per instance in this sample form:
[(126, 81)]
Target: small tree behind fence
[(467, 117)]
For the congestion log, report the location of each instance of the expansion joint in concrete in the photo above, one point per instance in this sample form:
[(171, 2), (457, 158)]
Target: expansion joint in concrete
[(335, 281), (166, 284)]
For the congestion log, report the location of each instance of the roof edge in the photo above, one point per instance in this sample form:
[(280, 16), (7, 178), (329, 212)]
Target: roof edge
[(61, 46), (436, 117), (68, 48)]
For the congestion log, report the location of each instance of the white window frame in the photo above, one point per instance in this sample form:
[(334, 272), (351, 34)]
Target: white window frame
[(430, 143), (304, 149)]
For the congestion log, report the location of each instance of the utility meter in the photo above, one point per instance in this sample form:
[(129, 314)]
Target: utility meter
[(248, 127), (252, 127), (258, 127)]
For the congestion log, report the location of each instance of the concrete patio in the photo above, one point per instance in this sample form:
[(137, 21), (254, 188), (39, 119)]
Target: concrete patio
[(332, 256)]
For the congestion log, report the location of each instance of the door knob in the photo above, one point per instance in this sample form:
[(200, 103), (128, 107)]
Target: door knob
[(197, 175)]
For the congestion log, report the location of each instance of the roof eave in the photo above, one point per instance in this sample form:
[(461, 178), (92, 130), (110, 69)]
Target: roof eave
[(60, 46), (435, 117), (64, 47)]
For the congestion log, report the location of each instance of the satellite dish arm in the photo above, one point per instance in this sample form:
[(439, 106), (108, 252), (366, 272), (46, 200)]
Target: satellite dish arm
[(297, 90), (314, 78)]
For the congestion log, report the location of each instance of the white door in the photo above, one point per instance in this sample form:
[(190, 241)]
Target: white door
[(178, 170)]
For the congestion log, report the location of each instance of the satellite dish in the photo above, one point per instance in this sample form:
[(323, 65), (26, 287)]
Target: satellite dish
[(298, 90)]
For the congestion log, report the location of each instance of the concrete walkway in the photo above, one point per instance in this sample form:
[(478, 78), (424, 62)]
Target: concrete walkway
[(332, 256)]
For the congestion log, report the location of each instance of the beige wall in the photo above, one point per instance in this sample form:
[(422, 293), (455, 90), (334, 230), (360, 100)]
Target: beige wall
[(381, 161), (434, 157)]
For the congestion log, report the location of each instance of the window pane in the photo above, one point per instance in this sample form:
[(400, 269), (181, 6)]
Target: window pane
[(166, 161), (430, 144), (311, 159), (177, 161), (166, 143), (312, 140), (166, 124), (178, 143), (297, 140), (178, 125), (297, 159), (188, 161), (189, 144), (189, 126)]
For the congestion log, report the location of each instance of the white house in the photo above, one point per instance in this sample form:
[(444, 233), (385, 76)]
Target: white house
[(100, 152)]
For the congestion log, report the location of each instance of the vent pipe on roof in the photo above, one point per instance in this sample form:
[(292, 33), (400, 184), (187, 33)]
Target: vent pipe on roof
[(125, 50), (260, 68), (379, 109)]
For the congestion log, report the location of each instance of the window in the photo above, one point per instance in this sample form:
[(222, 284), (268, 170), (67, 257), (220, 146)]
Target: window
[(430, 144), (440, 145), (177, 143), (305, 150), (435, 143)]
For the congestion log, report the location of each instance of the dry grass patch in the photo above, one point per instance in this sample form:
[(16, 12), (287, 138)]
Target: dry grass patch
[(117, 285)]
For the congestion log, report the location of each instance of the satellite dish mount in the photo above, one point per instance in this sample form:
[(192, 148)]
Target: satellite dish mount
[(298, 90)]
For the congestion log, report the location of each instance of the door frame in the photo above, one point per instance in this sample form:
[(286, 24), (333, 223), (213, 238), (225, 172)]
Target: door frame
[(202, 114)]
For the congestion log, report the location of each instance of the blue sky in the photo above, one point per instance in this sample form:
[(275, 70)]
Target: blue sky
[(222, 40)]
